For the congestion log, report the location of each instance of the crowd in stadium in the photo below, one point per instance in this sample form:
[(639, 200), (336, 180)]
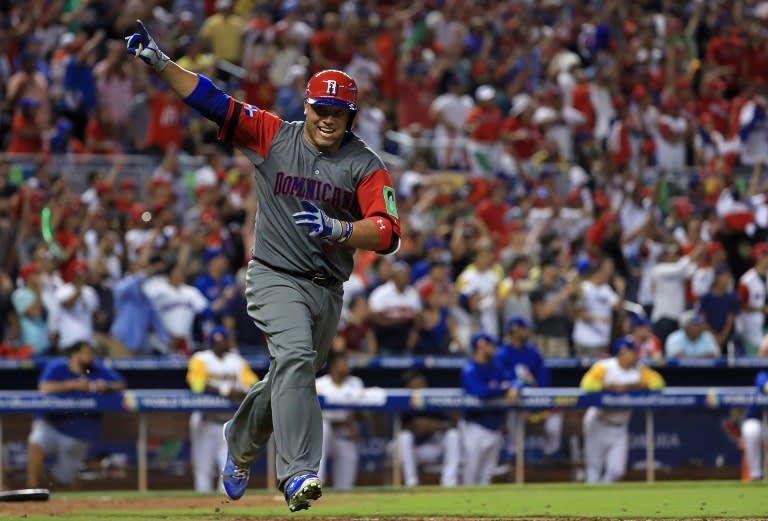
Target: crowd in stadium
[(594, 167)]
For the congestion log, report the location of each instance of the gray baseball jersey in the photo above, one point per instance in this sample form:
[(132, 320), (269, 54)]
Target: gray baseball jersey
[(298, 317), (349, 184)]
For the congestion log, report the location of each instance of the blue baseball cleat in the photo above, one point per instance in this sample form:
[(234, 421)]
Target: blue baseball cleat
[(235, 478), (301, 490)]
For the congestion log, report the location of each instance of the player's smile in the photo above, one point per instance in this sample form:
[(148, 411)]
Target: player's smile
[(325, 126)]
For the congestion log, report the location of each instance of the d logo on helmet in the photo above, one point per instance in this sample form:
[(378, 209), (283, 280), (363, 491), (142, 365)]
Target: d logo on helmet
[(331, 87)]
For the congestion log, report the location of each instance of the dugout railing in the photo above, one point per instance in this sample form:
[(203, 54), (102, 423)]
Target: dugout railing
[(391, 401)]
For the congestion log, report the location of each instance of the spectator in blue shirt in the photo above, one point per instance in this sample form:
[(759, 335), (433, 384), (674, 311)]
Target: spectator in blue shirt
[(68, 435), (482, 428), (752, 431), (692, 340), (520, 361), (135, 313), (219, 287), (721, 305), (31, 311), (79, 83)]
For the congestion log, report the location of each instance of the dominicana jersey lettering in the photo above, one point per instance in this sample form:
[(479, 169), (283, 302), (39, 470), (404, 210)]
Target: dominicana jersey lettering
[(350, 184)]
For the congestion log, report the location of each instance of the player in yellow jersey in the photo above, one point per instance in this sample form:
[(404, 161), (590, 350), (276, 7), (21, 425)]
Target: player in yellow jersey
[(221, 371), (606, 431)]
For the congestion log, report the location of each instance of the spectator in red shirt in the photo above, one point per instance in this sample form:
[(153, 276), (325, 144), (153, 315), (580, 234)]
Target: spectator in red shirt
[(416, 91), (483, 126), (101, 134), (756, 57), (492, 210), (519, 133), (259, 91), (68, 239), (330, 47), (581, 100), (164, 131), (727, 50), (386, 43), (27, 134), (712, 101), (618, 143), (128, 197)]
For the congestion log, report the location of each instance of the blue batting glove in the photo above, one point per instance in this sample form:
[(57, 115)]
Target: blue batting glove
[(318, 222), (142, 45)]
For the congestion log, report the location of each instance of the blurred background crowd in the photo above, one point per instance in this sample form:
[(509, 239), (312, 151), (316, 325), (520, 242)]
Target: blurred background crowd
[(592, 166)]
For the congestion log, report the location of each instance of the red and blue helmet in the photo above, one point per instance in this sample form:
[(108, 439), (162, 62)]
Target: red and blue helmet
[(332, 87)]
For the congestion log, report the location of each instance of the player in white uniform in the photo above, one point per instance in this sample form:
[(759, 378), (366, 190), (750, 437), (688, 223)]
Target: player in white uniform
[(221, 371), (426, 438), (752, 290), (606, 431), (341, 428)]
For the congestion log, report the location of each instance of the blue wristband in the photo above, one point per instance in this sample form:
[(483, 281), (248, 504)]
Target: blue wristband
[(347, 233)]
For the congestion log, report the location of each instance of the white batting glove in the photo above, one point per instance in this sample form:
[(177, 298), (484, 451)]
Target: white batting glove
[(320, 225), (142, 45)]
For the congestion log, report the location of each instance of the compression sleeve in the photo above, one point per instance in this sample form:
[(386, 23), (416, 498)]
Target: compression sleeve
[(209, 100), (376, 197)]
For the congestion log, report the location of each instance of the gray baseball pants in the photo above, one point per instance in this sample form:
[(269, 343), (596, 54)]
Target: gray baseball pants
[(299, 319)]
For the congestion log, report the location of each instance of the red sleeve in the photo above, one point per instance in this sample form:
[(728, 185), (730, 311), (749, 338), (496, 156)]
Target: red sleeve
[(743, 295), (376, 197), (249, 127)]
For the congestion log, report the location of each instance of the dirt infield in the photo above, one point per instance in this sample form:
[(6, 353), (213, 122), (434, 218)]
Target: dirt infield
[(218, 507)]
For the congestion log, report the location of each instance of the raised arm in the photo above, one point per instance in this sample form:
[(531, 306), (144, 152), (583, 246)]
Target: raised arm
[(143, 46), (196, 90)]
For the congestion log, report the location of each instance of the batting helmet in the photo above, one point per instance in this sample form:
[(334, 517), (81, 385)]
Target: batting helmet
[(332, 87)]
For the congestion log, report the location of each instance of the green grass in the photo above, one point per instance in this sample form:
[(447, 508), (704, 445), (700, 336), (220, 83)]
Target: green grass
[(708, 499)]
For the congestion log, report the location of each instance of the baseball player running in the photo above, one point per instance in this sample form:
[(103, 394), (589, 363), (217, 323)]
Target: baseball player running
[(322, 193), (606, 431), (752, 431), (221, 371)]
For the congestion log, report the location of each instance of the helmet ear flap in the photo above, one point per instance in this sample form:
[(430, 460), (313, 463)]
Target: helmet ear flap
[(352, 119)]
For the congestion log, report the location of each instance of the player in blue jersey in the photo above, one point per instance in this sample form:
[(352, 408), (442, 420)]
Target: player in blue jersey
[(481, 434), (520, 361), (752, 431), (68, 435)]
